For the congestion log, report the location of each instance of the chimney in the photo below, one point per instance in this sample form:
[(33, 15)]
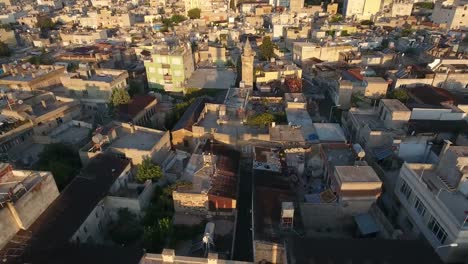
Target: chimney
[(132, 128), (168, 255), (212, 258), (447, 144), (44, 104)]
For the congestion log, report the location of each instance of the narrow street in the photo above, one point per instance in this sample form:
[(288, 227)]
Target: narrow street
[(319, 109), (243, 250)]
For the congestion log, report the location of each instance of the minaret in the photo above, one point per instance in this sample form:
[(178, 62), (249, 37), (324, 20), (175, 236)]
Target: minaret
[(247, 60)]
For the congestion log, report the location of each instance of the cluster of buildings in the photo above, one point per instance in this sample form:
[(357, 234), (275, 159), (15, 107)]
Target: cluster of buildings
[(317, 127)]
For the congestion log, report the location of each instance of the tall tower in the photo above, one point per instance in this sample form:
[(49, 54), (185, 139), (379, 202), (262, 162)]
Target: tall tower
[(247, 60)]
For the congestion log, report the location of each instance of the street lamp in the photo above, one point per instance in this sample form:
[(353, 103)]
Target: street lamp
[(448, 245), (331, 111)]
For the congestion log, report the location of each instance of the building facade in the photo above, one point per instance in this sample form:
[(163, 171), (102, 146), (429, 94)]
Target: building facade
[(433, 202), (170, 67)]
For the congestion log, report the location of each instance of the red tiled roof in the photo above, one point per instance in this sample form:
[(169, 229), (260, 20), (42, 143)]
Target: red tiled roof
[(433, 95)]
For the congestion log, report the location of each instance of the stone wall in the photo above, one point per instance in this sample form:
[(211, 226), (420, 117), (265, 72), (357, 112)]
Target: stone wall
[(269, 252), (193, 203)]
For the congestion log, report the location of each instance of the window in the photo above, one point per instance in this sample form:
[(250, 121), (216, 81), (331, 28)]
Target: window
[(437, 230), (405, 190), (419, 206)]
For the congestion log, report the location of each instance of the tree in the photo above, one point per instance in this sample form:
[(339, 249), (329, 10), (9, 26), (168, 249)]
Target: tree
[(134, 88), (126, 229), (263, 119), (400, 94), (336, 18), (45, 23), (154, 236), (266, 48), (120, 96), (72, 67), (294, 85), (4, 50), (176, 19), (147, 170), (194, 13), (60, 159)]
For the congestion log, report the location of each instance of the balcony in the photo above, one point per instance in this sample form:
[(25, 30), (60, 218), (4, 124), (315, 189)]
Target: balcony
[(167, 77)]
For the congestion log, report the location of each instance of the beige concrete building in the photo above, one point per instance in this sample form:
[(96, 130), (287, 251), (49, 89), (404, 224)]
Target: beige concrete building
[(451, 14), (44, 111), (332, 8), (307, 50), (8, 37), (296, 5), (129, 141), (93, 87), (27, 77), (361, 9), (401, 8), (24, 196), (210, 54), (276, 70), (82, 37), (380, 127), (104, 18)]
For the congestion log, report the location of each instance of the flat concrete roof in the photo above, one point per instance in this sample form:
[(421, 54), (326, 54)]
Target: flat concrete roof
[(356, 174), (395, 105), (298, 117), (140, 140), (73, 134), (329, 132), (212, 79)]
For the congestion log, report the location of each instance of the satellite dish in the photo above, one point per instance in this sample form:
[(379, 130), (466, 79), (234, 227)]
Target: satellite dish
[(20, 101), (97, 138)]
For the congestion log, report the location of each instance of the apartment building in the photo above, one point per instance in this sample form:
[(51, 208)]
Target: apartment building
[(27, 77), (361, 9), (276, 70), (55, 4), (451, 14), (8, 37), (213, 6), (307, 50), (434, 202), (128, 141), (104, 18), (82, 36), (380, 127), (93, 86), (169, 67)]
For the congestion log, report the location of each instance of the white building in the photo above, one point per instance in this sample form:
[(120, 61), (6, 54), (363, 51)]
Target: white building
[(451, 13), (434, 202), (361, 9)]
